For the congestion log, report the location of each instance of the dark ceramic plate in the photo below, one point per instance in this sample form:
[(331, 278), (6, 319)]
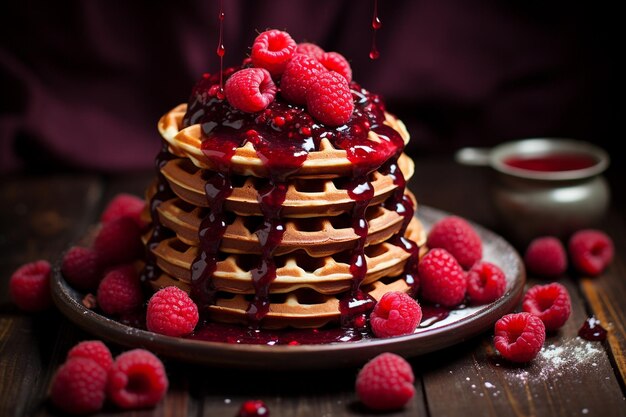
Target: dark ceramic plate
[(457, 327)]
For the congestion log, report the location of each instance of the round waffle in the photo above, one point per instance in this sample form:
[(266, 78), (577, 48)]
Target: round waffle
[(311, 197), (327, 161), (318, 236), (324, 275)]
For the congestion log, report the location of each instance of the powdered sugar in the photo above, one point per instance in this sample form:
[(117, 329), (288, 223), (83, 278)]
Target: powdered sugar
[(557, 360)]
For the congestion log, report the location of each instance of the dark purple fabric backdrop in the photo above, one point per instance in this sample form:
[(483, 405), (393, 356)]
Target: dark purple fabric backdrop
[(83, 83)]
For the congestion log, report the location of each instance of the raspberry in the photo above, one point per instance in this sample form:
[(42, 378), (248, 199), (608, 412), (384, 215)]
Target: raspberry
[(120, 291), (298, 75), (78, 387), (94, 350), (137, 379), (545, 256), (124, 205), (329, 99), (272, 50), (310, 49), (485, 283), (253, 408), (457, 236), (334, 61), (119, 241), (171, 312), (250, 89), (442, 279), (551, 303), (519, 337), (395, 314), (591, 251), (30, 286), (82, 268), (385, 382)]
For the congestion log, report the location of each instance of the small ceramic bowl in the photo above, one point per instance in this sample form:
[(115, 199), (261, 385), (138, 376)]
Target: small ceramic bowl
[(544, 186)]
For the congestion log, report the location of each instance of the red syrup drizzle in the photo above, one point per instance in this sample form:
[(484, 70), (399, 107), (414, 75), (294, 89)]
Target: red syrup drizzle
[(159, 232), (402, 204), (552, 162), (592, 330), (221, 51), (376, 25), (225, 333), (283, 135)]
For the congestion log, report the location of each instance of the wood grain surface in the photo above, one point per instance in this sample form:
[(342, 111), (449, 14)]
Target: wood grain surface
[(40, 217)]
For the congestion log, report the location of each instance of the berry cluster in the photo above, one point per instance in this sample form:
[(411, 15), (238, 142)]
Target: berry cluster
[(135, 379), (590, 251), (106, 267), (306, 74), (452, 269)]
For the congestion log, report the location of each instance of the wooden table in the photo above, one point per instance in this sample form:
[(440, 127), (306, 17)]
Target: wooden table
[(41, 215)]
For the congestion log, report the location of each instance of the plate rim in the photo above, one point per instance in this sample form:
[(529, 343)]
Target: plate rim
[(286, 357)]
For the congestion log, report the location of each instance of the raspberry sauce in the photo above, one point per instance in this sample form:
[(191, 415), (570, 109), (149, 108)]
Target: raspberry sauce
[(376, 25), (402, 204), (592, 330), (221, 51), (283, 135), (234, 334), (159, 232), (552, 162)]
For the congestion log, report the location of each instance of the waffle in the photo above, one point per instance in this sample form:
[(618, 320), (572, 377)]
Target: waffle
[(319, 236), (327, 161), (325, 275), (293, 301), (305, 197)]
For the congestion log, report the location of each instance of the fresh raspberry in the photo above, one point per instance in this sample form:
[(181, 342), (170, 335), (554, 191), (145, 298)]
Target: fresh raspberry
[(457, 236), (442, 279), (334, 61), (329, 99), (545, 256), (94, 350), (395, 314), (591, 251), (171, 312), (272, 50), (519, 337), (253, 408), (78, 387), (82, 268), (119, 241), (30, 286), (120, 291), (485, 283), (385, 382), (298, 75), (124, 205), (551, 303), (250, 89), (310, 49), (137, 379)]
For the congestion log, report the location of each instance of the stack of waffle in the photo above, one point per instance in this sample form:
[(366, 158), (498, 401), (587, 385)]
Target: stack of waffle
[(313, 256)]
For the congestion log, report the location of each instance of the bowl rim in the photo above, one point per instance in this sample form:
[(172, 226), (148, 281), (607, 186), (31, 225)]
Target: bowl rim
[(544, 146)]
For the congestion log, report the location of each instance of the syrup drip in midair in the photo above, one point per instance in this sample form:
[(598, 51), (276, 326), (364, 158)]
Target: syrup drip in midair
[(221, 51), (376, 25)]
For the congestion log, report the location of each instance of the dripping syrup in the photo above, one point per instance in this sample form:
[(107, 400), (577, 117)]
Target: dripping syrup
[(221, 51), (376, 25), (159, 233), (233, 334)]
